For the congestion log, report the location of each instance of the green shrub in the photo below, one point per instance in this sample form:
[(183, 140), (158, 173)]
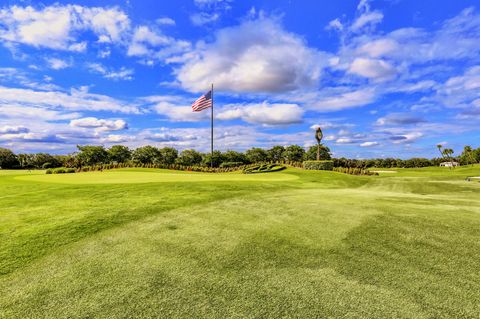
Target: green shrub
[(263, 168), (354, 171), (231, 164), (60, 170), (318, 165)]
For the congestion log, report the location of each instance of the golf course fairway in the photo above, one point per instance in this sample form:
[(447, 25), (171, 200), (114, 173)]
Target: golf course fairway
[(150, 243)]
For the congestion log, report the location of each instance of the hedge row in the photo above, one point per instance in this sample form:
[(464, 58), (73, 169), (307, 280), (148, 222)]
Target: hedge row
[(353, 171), (318, 165)]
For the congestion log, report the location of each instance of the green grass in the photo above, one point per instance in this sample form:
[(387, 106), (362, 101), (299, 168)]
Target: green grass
[(145, 243)]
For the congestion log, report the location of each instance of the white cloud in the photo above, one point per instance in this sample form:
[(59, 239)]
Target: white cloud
[(115, 138), (175, 108), (366, 19), (374, 69), (204, 18), (263, 113), (369, 144), (165, 21), (75, 100), (400, 119), (99, 124), (122, 74), (13, 129), (255, 56), (56, 26), (153, 44), (343, 100), (57, 64)]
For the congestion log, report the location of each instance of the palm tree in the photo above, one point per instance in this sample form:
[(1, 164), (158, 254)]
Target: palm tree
[(448, 152), (439, 146), (468, 152)]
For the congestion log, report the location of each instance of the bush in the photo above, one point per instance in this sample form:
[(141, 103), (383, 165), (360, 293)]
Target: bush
[(231, 164), (354, 171), (318, 165), (60, 170), (263, 168)]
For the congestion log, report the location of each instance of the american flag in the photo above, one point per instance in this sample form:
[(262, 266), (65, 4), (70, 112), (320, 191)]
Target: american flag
[(203, 102)]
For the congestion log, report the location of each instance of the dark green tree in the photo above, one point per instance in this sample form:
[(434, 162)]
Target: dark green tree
[(216, 159), (146, 155), (257, 155), (233, 156), (294, 153), (189, 158), (276, 153), (311, 154), (119, 154), (8, 159), (168, 155), (92, 155)]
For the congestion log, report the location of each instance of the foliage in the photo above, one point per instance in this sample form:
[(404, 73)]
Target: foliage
[(60, 170), (189, 158), (233, 156), (353, 171), (168, 155), (146, 155), (275, 154), (311, 154), (214, 159), (263, 168), (256, 155), (92, 155), (294, 153), (318, 165), (7, 159), (119, 154), (231, 164)]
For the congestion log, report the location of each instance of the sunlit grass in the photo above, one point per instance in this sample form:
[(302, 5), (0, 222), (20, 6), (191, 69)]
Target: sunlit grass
[(144, 243)]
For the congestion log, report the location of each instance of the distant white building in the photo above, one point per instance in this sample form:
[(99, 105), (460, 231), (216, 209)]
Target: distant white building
[(449, 164)]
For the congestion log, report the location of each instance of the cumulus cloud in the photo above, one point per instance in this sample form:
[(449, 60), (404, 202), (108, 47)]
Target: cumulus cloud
[(374, 69), (255, 56), (56, 26), (99, 124), (264, 113)]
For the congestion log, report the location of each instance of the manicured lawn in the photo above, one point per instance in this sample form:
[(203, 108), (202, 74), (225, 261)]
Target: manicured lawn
[(145, 243)]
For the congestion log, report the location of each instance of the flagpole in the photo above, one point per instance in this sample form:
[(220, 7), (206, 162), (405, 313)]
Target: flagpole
[(211, 139)]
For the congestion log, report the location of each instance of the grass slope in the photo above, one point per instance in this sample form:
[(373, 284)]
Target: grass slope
[(151, 243)]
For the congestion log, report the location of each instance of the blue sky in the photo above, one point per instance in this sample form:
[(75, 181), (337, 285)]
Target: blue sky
[(382, 78)]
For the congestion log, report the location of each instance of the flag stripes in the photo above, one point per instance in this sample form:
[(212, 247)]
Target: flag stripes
[(203, 102)]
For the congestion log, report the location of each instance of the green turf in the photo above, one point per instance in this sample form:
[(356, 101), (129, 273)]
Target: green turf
[(145, 243)]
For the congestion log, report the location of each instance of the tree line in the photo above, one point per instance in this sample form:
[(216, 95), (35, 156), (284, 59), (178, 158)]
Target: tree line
[(95, 155)]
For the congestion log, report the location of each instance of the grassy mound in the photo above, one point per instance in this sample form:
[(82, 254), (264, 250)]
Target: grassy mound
[(263, 168)]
